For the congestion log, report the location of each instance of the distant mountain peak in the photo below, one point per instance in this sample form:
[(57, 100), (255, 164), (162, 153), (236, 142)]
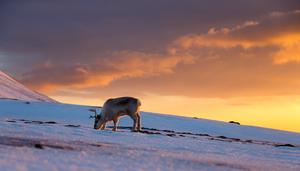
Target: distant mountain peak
[(12, 89)]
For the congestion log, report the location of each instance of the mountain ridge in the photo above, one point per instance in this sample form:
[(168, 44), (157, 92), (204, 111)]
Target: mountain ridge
[(12, 89)]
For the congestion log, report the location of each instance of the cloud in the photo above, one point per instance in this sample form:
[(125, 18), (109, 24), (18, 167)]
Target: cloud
[(288, 53), (103, 71), (221, 38), (278, 29), (223, 60)]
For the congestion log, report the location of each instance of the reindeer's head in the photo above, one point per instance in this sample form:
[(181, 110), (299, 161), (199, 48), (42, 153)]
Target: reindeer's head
[(97, 119), (97, 122)]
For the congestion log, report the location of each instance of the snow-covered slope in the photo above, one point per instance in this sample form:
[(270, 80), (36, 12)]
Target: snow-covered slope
[(11, 89), (52, 136)]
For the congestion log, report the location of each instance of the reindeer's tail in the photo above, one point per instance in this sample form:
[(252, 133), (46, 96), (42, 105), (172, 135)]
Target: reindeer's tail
[(139, 103)]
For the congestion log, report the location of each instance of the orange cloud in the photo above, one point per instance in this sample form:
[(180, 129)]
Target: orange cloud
[(279, 29), (124, 64), (289, 49), (216, 38)]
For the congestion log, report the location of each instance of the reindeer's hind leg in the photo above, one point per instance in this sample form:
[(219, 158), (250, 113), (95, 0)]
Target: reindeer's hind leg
[(134, 118), (138, 121)]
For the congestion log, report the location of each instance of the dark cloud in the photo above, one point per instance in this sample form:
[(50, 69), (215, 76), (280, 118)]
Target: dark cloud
[(73, 31)]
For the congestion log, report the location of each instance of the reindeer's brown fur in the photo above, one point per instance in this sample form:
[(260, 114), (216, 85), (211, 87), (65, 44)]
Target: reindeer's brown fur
[(113, 109)]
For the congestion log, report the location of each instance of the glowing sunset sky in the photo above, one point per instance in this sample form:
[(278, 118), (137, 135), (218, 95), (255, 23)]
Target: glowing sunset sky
[(223, 60)]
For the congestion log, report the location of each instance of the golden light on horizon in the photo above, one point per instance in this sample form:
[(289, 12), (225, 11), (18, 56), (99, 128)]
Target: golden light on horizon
[(275, 112)]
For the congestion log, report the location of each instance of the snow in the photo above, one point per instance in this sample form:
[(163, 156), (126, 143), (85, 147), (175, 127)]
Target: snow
[(54, 136), (11, 89)]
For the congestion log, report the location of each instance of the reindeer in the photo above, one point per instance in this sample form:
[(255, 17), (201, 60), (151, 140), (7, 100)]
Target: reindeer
[(113, 109)]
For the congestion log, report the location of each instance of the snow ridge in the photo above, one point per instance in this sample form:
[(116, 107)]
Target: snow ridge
[(12, 89)]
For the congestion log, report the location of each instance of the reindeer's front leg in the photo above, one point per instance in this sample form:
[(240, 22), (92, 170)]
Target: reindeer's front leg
[(115, 125)]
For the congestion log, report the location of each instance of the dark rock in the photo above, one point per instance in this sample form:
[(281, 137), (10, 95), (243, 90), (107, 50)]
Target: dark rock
[(171, 135), (203, 135), (50, 122), (11, 121), (222, 137), (235, 139), (37, 122), (284, 145), (233, 122), (169, 131), (151, 129), (38, 146), (149, 132), (73, 126), (185, 133)]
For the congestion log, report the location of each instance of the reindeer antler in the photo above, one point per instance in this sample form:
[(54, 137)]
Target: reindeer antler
[(95, 111)]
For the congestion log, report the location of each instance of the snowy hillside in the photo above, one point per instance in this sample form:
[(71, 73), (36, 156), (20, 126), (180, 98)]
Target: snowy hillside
[(52, 136), (11, 89)]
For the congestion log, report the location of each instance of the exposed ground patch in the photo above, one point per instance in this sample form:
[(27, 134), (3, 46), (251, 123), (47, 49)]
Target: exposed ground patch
[(163, 132), (48, 143)]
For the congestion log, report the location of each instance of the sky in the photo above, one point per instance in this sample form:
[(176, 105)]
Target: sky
[(222, 60)]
